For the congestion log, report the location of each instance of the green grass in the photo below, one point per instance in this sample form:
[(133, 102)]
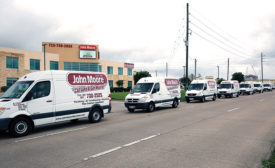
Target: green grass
[(182, 95), (122, 95), (119, 95), (269, 163)]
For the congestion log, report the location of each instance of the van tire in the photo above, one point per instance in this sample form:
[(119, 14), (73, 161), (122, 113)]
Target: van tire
[(219, 96), (151, 107), (214, 98), (20, 126), (95, 115), (131, 110), (203, 99), (175, 103), (237, 95), (187, 100)]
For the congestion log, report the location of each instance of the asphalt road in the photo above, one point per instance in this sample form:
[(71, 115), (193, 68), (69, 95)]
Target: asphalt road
[(227, 133)]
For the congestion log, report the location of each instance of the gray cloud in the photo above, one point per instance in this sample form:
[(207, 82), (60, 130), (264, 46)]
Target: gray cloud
[(24, 30)]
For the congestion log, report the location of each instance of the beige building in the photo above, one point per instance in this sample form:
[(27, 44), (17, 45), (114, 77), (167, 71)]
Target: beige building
[(14, 63)]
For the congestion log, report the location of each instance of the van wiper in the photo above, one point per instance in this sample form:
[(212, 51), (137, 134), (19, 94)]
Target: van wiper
[(5, 98)]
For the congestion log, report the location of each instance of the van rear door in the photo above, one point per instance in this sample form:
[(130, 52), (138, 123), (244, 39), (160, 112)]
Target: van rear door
[(39, 102)]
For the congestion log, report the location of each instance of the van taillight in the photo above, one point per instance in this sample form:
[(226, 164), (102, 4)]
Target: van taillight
[(110, 98)]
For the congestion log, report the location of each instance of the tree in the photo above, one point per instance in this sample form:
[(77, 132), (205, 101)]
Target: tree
[(119, 83), (238, 76), (183, 81), (141, 74), (220, 80)]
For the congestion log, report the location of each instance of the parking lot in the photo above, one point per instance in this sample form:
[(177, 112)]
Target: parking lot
[(233, 132)]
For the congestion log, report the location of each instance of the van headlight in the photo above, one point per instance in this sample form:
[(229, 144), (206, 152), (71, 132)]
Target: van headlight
[(143, 99), (2, 110)]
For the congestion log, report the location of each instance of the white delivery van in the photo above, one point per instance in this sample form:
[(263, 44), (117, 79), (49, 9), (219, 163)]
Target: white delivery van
[(268, 87), (151, 92), (47, 97), (229, 89), (247, 88), (258, 87), (201, 90)]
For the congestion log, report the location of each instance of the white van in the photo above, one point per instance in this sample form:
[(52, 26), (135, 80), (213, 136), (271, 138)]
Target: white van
[(151, 92), (47, 97), (258, 87), (201, 90), (268, 87), (247, 88), (229, 89)]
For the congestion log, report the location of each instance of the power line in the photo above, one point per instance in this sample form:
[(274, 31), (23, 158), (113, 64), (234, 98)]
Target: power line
[(224, 43), (228, 34), (216, 44)]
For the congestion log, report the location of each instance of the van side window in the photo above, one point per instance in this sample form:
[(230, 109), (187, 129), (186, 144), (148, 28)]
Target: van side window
[(156, 88), (41, 89)]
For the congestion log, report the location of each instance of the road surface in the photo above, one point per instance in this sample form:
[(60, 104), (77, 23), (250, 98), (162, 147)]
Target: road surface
[(227, 133)]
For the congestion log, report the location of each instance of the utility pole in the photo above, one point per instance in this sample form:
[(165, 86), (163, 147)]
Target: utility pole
[(44, 45), (187, 42), (183, 71), (218, 71), (156, 73), (228, 69), (166, 69), (262, 67), (195, 68)]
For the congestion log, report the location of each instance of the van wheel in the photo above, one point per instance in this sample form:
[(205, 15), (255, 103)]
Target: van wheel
[(203, 99), (237, 95), (214, 98), (151, 107), (219, 96), (95, 115), (187, 100), (131, 110), (20, 126), (175, 103)]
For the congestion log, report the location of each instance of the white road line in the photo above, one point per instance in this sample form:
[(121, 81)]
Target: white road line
[(261, 100), (233, 109), (50, 134), (120, 147)]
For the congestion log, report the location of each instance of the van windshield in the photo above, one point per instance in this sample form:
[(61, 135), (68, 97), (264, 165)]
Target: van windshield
[(225, 86), (257, 85), (266, 85), (17, 90), (196, 86), (142, 88), (244, 85)]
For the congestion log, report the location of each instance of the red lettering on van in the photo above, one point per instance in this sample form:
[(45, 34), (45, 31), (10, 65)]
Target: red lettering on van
[(86, 79), (211, 83), (172, 82)]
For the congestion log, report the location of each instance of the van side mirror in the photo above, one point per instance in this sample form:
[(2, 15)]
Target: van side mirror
[(205, 88), (154, 91), (28, 97)]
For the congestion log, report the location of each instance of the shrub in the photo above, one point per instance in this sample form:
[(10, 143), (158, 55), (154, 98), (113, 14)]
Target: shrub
[(4, 88)]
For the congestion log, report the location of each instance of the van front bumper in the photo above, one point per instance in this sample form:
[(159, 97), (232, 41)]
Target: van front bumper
[(4, 124), (194, 97), (136, 105), (224, 94)]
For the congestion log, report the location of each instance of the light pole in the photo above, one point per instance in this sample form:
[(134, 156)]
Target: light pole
[(44, 45)]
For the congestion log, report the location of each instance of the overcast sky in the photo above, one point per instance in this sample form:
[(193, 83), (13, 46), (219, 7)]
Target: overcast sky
[(150, 33)]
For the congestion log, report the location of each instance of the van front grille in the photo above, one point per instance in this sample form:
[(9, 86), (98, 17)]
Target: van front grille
[(191, 94), (132, 100)]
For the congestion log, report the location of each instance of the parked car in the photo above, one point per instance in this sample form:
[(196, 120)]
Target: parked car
[(47, 97), (152, 92), (201, 90), (258, 87), (267, 87), (229, 89), (247, 88)]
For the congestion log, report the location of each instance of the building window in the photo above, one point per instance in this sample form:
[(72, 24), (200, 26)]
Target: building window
[(111, 83), (34, 64), (120, 71), (99, 68), (81, 66), (129, 84), (110, 70), (12, 62), (11, 81), (129, 72), (53, 65)]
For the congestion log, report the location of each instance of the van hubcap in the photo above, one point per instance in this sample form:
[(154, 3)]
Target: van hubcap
[(96, 115), (21, 127)]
